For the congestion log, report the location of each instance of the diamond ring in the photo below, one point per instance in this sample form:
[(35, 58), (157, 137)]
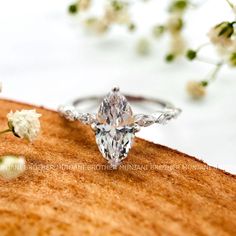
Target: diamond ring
[(114, 124)]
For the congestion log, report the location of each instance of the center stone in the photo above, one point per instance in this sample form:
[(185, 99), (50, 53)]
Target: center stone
[(115, 130)]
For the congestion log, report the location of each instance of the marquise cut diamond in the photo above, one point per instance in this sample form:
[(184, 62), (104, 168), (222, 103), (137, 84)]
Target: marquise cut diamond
[(115, 129), (114, 124)]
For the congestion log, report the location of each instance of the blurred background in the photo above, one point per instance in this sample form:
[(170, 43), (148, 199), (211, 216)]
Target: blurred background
[(47, 58)]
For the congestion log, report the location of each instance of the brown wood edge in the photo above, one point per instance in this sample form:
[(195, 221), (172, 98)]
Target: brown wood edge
[(149, 142)]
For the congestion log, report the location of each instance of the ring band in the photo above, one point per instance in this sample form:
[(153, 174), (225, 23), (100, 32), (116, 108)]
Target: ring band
[(114, 124)]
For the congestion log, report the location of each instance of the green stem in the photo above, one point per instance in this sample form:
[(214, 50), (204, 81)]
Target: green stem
[(230, 4), (215, 72), (202, 46), (5, 131)]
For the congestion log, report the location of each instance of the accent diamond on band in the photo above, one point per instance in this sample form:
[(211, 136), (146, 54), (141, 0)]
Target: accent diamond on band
[(115, 124)]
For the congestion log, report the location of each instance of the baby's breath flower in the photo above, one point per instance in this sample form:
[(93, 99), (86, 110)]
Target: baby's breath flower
[(11, 167), (84, 4), (143, 46), (117, 5), (98, 26), (177, 45), (196, 89), (174, 24), (117, 14), (24, 123), (221, 34)]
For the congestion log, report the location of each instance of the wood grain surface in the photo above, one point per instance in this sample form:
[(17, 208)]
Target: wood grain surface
[(68, 189)]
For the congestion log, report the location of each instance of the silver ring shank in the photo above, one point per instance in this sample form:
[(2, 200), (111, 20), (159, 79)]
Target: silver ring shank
[(130, 98), (162, 116)]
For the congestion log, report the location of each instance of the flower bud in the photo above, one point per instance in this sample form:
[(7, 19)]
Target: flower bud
[(73, 8), (170, 57), (191, 54), (178, 5), (175, 24), (196, 89), (11, 167), (221, 33)]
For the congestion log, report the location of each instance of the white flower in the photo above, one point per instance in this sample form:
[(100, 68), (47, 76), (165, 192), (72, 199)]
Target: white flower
[(117, 12), (220, 35), (84, 4), (24, 123), (196, 89), (178, 44), (98, 26), (174, 24), (117, 16), (11, 167)]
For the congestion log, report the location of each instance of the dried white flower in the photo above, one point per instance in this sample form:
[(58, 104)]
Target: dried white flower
[(84, 4), (24, 123), (178, 45), (11, 167), (220, 35), (196, 89), (98, 26), (120, 16), (174, 24)]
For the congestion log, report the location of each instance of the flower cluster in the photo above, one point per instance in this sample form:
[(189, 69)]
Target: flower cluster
[(174, 27), (115, 12), (222, 37), (23, 124)]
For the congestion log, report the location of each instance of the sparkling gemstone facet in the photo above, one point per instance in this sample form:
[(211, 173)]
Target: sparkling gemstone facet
[(115, 129)]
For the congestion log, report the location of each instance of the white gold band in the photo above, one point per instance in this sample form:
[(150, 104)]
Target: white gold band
[(161, 116)]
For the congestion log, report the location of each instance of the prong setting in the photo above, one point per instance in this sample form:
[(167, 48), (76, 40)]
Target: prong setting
[(115, 89)]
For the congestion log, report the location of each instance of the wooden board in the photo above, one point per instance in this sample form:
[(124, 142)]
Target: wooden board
[(68, 190)]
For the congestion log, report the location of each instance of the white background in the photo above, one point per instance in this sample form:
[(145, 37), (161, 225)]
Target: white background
[(46, 58)]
